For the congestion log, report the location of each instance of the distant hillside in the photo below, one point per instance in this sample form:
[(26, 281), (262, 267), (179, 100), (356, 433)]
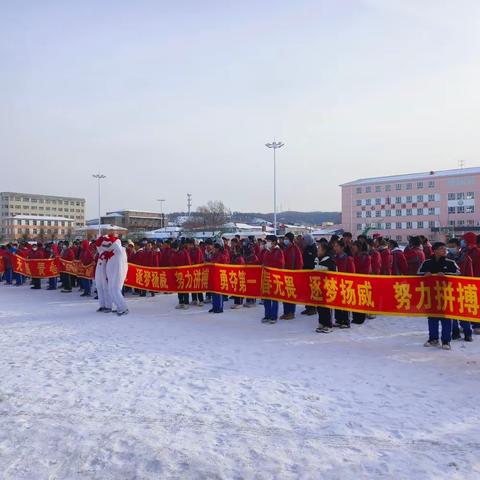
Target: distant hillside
[(304, 218)]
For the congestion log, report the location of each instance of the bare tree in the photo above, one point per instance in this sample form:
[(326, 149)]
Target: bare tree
[(213, 215)]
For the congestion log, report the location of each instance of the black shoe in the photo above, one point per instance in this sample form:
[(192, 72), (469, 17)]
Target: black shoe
[(456, 335), (66, 291), (106, 310), (51, 288), (96, 297), (468, 338), (101, 309), (85, 295), (211, 310), (35, 288)]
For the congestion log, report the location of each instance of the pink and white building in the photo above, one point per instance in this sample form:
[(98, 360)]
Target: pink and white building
[(435, 204)]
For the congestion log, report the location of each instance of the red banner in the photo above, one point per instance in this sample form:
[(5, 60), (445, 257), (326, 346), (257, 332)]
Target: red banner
[(440, 296)]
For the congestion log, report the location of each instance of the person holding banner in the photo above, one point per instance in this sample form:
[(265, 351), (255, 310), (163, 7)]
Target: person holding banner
[(197, 258), (363, 265), (324, 263), (440, 265), (67, 255), (36, 253), (86, 258), (273, 257), (180, 257), (293, 261), (217, 256), (346, 264)]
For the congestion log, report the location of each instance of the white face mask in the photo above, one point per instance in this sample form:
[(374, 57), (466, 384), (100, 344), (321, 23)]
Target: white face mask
[(286, 242), (269, 245)]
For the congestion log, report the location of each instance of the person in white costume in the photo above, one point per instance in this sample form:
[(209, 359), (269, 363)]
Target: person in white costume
[(116, 270), (104, 298)]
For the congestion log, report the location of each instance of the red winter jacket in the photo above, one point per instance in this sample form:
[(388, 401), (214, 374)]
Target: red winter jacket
[(474, 254), (86, 254), (387, 260), (376, 259), (274, 258), (399, 263), (414, 257), (345, 263), (196, 255), (38, 254), (67, 254), (217, 257), (179, 258), (293, 257), (363, 263)]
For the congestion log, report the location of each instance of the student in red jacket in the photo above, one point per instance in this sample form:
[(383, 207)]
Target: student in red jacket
[(216, 255), (197, 258), (376, 258), (399, 262), (179, 257), (462, 259), (86, 257), (345, 264), (386, 257), (363, 265), (67, 255), (274, 258), (37, 252), (293, 261), (470, 244), (414, 255), (236, 258)]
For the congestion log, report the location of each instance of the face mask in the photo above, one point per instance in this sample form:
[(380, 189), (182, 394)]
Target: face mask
[(286, 242), (452, 251), (463, 244), (269, 245)]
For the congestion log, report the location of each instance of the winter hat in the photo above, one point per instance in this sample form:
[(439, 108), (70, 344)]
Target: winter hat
[(470, 238), (308, 239), (290, 236)]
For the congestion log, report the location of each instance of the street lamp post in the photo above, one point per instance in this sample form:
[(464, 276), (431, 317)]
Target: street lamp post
[(161, 200), (275, 145), (99, 177)]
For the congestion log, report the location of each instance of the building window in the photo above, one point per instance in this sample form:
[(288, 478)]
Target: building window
[(451, 196), (398, 225), (378, 188), (419, 224), (398, 199), (388, 226), (431, 183), (409, 225), (409, 212), (419, 198), (470, 195), (398, 186), (359, 202), (409, 186), (368, 201), (431, 211), (378, 213), (388, 213), (419, 211), (368, 189), (471, 223), (451, 209), (470, 209), (451, 223), (431, 224), (460, 196), (461, 209), (431, 197), (419, 184), (460, 223), (409, 199), (377, 201), (359, 214), (359, 190), (399, 238), (388, 188), (359, 226), (398, 212), (369, 214)]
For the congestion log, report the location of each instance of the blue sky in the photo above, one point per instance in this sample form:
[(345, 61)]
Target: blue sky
[(167, 98)]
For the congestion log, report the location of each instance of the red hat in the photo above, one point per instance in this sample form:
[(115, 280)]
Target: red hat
[(470, 238)]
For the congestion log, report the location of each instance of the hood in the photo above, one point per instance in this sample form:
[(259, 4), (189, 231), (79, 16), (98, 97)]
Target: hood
[(85, 245), (308, 239), (470, 238)]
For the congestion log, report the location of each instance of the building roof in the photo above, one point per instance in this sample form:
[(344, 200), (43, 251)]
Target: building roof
[(40, 195), (131, 210), (40, 217), (103, 226), (417, 176)]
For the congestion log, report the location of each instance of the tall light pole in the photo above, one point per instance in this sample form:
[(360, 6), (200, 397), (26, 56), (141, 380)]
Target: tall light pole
[(275, 145), (99, 177), (161, 200)]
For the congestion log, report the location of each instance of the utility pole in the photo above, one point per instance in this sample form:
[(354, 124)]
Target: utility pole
[(189, 203), (274, 145), (99, 177)]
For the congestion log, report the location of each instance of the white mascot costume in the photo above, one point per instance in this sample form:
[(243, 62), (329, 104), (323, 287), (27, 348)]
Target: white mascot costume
[(117, 267), (104, 298)]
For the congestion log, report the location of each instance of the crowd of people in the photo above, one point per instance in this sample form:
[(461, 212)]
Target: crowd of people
[(364, 255)]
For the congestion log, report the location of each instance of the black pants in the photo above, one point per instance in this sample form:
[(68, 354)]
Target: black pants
[(238, 300), (66, 281), (197, 297), (358, 318), (183, 298), (341, 317), (324, 317), (36, 282)]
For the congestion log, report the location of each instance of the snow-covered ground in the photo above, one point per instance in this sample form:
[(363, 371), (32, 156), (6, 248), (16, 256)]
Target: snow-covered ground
[(164, 394)]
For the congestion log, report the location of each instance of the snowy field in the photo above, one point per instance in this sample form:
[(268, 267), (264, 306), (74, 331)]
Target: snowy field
[(162, 394)]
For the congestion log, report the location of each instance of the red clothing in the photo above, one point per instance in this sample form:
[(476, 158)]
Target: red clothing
[(474, 254), (38, 254), (376, 259), (465, 264), (180, 258), (274, 258), (363, 263), (252, 260), (293, 257), (166, 257), (414, 257), (196, 255), (149, 258), (67, 254), (345, 263), (237, 260), (86, 254), (218, 257), (428, 250), (387, 261), (399, 263)]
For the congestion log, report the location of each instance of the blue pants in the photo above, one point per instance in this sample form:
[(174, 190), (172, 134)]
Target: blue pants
[(271, 309), (433, 324), (217, 302), (52, 283), (19, 279), (86, 285), (467, 327), (289, 308), (9, 275)]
